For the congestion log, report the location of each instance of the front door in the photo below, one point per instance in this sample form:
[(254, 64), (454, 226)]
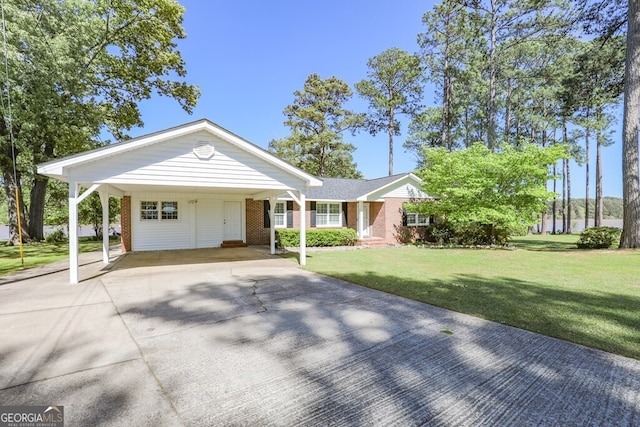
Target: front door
[(366, 227), (232, 221)]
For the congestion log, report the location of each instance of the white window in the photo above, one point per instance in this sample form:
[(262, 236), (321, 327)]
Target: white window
[(418, 219), (279, 216), (149, 210), (328, 215), (170, 210)]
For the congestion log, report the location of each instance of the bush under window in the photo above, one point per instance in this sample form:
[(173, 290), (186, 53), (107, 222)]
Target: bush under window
[(317, 238)]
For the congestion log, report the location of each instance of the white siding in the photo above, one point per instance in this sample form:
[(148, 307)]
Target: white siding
[(404, 191), (199, 225), (173, 162)]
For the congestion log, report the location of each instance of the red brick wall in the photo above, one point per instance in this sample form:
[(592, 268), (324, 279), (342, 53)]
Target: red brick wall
[(125, 223), (393, 219), (257, 234)]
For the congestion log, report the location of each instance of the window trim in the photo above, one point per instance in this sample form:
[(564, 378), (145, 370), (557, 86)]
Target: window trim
[(413, 219), (160, 213), (283, 214), (328, 214)]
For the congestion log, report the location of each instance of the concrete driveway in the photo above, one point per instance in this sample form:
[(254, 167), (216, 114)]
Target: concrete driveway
[(206, 339)]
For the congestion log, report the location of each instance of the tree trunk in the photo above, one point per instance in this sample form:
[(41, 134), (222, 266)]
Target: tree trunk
[(445, 95), (630, 169), (507, 115), (564, 180), (10, 186), (36, 208), (390, 129), (554, 203), (569, 231), (586, 166), (564, 196), (597, 218), (493, 69)]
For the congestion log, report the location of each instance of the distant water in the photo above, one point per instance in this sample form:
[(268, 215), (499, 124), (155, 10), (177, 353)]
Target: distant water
[(577, 225), (83, 231)]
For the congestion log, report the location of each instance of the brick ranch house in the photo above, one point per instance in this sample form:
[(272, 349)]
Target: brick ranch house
[(345, 203), (198, 185)]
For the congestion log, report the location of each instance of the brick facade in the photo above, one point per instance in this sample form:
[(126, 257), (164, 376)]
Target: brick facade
[(385, 218), (125, 223), (257, 234)]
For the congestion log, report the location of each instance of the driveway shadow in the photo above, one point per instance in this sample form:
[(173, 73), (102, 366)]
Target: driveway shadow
[(282, 346)]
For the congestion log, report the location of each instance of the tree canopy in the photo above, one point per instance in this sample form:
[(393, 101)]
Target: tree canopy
[(76, 69), (317, 119), (505, 188), (393, 87)]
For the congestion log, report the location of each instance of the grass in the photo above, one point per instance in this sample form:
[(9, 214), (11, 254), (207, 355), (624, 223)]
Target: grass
[(40, 253), (546, 286)]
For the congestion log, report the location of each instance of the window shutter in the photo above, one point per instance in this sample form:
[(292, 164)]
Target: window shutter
[(289, 214), (404, 217), (266, 208), (345, 217), (312, 214)]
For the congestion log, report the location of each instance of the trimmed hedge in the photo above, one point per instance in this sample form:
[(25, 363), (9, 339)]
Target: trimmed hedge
[(315, 238), (599, 237)]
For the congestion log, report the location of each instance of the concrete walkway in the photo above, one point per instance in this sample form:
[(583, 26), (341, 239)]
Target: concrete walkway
[(240, 337)]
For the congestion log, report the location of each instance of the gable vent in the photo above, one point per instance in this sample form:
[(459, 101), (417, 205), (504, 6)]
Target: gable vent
[(203, 150)]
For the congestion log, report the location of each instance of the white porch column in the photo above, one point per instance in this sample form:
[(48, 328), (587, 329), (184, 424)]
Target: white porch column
[(104, 199), (303, 230), (73, 232), (360, 219), (272, 225)]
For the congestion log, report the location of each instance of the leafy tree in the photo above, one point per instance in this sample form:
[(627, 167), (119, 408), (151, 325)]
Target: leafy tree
[(77, 68), (318, 119), (393, 87), (505, 189), (451, 48)]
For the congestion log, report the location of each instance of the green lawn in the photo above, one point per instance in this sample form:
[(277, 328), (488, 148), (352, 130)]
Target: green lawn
[(546, 285), (36, 254)]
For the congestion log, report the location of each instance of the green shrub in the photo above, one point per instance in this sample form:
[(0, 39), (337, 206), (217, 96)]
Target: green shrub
[(446, 233), (317, 238), (56, 236), (599, 237)]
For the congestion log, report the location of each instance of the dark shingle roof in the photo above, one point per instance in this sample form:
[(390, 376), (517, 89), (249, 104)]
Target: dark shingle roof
[(349, 189)]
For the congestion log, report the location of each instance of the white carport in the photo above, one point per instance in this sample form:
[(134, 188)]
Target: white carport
[(187, 163)]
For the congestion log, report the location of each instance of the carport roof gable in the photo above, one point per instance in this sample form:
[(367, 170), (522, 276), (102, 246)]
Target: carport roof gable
[(59, 168)]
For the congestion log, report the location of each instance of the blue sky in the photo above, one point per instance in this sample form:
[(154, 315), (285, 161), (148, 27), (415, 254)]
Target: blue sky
[(248, 57)]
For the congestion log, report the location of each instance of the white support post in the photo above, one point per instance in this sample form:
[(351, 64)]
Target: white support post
[(303, 230), (360, 219), (272, 225), (73, 232), (104, 199)]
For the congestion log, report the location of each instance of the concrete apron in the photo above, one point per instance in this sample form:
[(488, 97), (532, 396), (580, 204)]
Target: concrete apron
[(193, 338)]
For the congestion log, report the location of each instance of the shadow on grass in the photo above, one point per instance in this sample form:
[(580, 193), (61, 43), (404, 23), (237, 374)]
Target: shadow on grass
[(605, 321), (549, 244)]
